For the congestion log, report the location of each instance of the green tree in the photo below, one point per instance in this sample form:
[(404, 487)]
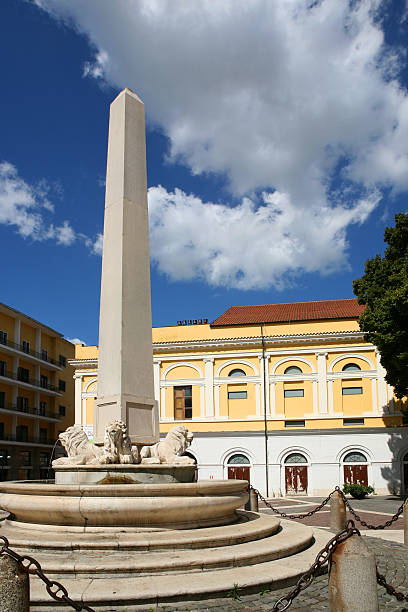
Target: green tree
[(383, 288)]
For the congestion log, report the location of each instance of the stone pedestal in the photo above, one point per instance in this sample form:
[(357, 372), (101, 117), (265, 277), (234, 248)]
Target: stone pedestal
[(124, 474)]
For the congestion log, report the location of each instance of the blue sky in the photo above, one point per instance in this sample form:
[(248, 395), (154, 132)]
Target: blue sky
[(276, 148)]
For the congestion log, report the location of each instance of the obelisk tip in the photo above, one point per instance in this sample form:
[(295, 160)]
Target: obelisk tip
[(126, 91)]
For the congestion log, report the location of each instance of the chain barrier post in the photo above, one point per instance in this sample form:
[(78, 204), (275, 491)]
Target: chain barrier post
[(14, 586), (253, 500), (337, 512), (353, 578), (406, 523)]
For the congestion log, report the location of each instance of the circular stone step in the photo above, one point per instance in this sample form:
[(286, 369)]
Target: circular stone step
[(130, 592), (249, 526)]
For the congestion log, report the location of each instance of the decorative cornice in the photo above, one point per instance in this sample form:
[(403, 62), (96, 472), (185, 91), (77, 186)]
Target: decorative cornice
[(246, 341), (345, 336)]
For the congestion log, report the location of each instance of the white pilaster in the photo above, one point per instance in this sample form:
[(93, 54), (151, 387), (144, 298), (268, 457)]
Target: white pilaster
[(156, 376), (322, 381), (217, 401), (258, 399), (163, 403), (272, 394), (202, 401), (267, 400), (374, 394), (17, 331), (330, 396), (38, 340), (382, 385), (78, 399), (209, 386)]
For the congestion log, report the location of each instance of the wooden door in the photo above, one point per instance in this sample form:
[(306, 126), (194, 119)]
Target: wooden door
[(296, 479), (356, 474), (238, 472)]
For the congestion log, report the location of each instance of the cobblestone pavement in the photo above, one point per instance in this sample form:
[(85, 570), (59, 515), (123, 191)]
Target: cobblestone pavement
[(392, 561)]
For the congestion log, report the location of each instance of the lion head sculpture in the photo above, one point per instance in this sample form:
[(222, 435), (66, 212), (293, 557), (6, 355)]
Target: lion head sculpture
[(171, 448), (79, 449), (117, 445)]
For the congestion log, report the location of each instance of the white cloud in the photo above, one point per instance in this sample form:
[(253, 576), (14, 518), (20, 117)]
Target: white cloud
[(26, 207), (248, 246), (75, 341), (275, 96)]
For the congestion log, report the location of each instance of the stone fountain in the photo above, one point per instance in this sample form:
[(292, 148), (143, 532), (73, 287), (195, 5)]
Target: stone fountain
[(126, 509)]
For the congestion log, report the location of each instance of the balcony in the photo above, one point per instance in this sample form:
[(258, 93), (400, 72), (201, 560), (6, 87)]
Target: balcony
[(31, 411), (27, 440), (23, 352), (27, 380)]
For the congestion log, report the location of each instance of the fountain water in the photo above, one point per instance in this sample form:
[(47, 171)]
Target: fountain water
[(126, 509)]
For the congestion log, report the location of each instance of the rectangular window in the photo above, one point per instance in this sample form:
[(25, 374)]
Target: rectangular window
[(25, 458), (44, 354), (22, 433), (43, 381), (62, 361), (25, 346), (61, 410), (237, 395), (3, 337), (3, 368), (2, 399), (4, 457), (183, 403), (1, 431), (42, 409), (294, 423), (352, 390), (23, 374), (43, 436), (44, 460), (61, 385), (22, 403), (294, 393), (353, 421)]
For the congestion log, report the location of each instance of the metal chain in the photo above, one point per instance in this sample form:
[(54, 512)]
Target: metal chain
[(322, 558), (31, 566), (390, 589), (363, 523), (324, 502), (293, 516)]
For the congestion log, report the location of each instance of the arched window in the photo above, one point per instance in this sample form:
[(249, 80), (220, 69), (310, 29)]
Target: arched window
[(295, 458), (355, 457), (237, 372), (238, 458), (293, 370), (350, 367)]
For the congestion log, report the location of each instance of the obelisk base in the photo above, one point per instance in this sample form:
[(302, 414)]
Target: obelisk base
[(139, 414)]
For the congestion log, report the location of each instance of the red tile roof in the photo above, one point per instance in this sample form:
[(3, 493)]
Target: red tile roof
[(287, 313)]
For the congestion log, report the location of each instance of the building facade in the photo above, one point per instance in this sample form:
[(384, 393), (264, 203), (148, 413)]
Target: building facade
[(289, 396), (36, 394)]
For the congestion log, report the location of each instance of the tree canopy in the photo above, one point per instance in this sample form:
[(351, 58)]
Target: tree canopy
[(383, 288)]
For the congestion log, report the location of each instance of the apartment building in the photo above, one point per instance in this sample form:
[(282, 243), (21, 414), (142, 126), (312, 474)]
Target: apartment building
[(36, 394)]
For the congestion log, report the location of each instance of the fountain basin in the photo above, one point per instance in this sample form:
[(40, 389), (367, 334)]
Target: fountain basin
[(143, 506)]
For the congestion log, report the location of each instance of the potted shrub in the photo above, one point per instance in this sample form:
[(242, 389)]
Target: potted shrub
[(358, 491)]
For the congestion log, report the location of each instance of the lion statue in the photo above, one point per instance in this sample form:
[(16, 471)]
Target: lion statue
[(79, 449), (170, 449), (117, 446)]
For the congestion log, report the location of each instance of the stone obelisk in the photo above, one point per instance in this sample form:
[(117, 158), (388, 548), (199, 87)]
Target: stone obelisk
[(125, 362)]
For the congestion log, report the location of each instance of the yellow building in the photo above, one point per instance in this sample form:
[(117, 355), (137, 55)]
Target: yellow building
[(290, 396), (36, 394)]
